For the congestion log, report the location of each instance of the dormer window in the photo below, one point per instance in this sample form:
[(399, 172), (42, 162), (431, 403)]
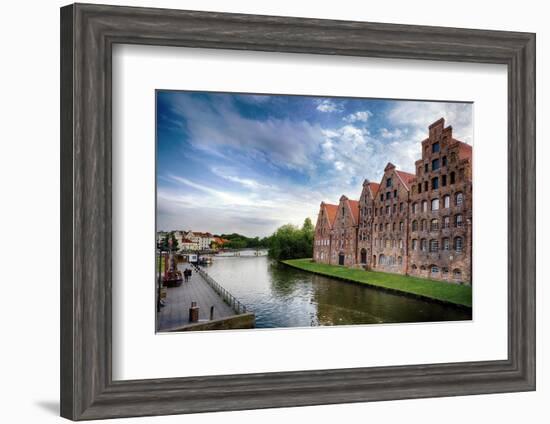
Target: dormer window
[(388, 182)]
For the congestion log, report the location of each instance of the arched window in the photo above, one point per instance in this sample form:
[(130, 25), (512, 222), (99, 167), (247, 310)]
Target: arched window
[(414, 244), (415, 225), (434, 269), (453, 157), (422, 268), (414, 267), (399, 260), (424, 205), (434, 245), (435, 204), (401, 226), (446, 201), (452, 177), (393, 226), (459, 199), (424, 225), (458, 220), (434, 225), (387, 226), (446, 244), (446, 222), (382, 260), (414, 207), (401, 243), (458, 244), (457, 274), (423, 245)]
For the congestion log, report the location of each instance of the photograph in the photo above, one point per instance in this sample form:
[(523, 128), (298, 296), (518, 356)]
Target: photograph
[(279, 211)]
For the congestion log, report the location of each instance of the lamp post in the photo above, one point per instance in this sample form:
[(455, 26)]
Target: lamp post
[(159, 245)]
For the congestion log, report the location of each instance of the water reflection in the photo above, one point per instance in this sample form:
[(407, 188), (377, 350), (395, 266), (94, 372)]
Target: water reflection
[(282, 296)]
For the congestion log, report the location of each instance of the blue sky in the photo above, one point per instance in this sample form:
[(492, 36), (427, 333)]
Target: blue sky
[(250, 163)]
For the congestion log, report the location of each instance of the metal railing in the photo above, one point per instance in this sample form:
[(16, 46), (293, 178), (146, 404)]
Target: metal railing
[(227, 297)]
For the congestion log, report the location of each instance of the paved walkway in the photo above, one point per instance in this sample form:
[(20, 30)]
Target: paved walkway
[(175, 313)]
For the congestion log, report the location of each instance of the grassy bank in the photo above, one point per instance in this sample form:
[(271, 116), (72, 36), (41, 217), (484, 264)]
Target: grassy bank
[(424, 288)]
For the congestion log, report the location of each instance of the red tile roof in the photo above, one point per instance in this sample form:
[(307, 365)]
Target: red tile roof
[(354, 206), (374, 188), (332, 211), (406, 177)]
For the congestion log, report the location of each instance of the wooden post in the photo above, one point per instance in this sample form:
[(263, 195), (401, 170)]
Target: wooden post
[(194, 312)]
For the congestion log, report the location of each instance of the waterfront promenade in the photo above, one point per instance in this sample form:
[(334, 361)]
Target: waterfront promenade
[(175, 314)]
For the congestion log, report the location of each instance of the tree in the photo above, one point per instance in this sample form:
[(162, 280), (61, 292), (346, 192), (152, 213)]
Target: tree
[(238, 241), (291, 242), (308, 226), (166, 246)]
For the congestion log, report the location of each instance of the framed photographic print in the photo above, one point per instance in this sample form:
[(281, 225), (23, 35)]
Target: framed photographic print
[(264, 212)]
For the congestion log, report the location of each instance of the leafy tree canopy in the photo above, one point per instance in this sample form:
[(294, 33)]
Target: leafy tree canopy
[(292, 242)]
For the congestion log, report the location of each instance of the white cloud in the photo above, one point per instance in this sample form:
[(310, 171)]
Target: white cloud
[(245, 182), (361, 116), (396, 133), (327, 105), (339, 165), (253, 213), (214, 127), (418, 116)]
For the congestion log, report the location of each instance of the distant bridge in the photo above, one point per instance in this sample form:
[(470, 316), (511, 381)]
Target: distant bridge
[(226, 252), (243, 252)]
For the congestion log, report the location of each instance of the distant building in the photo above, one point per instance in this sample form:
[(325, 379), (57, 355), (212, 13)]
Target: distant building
[(188, 245), (344, 232), (203, 240), (417, 224), (218, 242)]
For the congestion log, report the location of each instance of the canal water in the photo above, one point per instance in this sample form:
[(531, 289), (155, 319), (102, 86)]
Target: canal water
[(282, 296)]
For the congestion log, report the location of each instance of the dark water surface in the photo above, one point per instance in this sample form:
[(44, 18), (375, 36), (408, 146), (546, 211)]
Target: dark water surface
[(281, 296)]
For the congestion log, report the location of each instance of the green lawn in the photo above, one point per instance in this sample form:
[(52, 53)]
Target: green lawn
[(447, 292)]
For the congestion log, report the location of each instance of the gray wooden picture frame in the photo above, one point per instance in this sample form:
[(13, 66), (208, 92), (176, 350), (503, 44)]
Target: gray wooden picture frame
[(88, 33)]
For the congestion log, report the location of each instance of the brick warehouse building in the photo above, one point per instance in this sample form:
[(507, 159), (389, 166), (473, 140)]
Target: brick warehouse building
[(416, 224)]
